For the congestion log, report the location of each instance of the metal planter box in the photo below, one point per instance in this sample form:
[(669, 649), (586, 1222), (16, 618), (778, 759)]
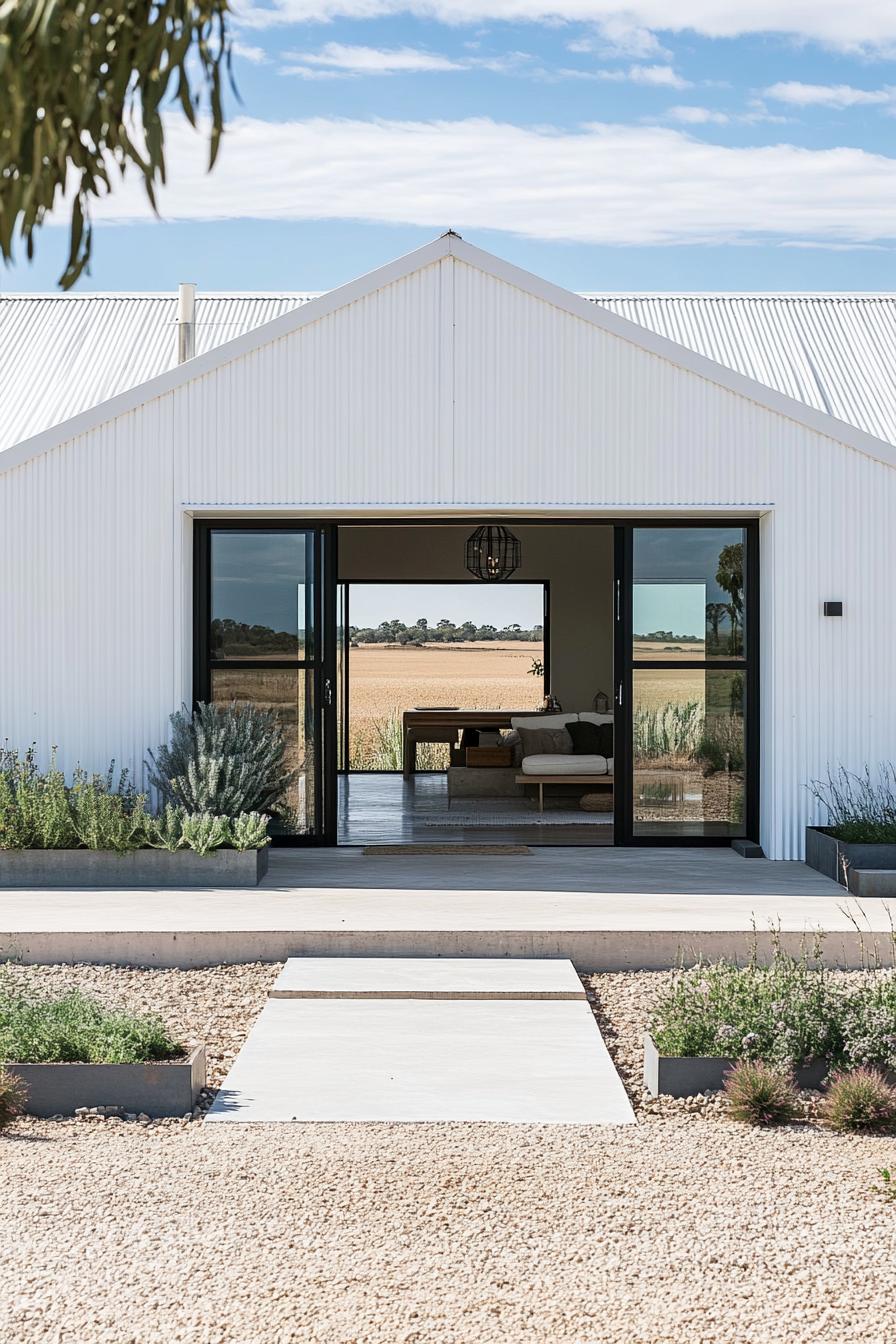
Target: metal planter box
[(828, 855), (688, 1075), (45, 868), (156, 1089)]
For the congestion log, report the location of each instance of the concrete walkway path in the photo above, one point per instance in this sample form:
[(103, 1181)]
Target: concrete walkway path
[(366, 1039)]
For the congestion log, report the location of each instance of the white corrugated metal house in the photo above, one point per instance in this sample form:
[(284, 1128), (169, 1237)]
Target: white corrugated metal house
[(632, 442)]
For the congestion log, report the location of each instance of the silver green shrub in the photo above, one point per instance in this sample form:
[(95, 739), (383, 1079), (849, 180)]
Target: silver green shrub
[(166, 831), (249, 831), (39, 811), (205, 832), (222, 759)]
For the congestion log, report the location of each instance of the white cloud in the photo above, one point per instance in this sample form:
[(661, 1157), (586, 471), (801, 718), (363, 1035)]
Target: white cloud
[(828, 95), (336, 60), (629, 28), (356, 60), (618, 36), (245, 52), (609, 184), (836, 247), (661, 75), (697, 116)]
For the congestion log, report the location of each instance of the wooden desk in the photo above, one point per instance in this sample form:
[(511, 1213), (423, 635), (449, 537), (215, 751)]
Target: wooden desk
[(446, 725)]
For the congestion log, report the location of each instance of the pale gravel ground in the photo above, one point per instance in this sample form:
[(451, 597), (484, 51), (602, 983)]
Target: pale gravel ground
[(680, 1230)]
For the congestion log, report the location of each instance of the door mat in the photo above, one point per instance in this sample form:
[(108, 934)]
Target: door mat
[(412, 850)]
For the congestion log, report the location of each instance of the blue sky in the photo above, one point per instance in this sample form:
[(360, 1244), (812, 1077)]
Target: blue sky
[(752, 146), (486, 604)]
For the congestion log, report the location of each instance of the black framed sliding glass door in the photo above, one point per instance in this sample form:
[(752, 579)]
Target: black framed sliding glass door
[(265, 634), (687, 683)]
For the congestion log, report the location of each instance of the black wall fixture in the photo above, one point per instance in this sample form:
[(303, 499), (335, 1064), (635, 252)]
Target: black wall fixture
[(493, 553), (833, 608)]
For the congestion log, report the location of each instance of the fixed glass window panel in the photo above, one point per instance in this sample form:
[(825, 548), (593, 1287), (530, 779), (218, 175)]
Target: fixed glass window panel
[(688, 596), (262, 595)]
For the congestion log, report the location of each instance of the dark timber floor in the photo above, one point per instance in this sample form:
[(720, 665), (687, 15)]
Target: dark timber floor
[(388, 809)]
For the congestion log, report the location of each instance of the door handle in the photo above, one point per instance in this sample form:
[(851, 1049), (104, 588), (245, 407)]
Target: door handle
[(328, 691), (619, 694)]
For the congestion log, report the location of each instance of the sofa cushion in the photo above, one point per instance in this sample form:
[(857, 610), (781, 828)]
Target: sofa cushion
[(538, 741), (543, 720), (588, 716), (514, 742), (591, 739), (561, 764)]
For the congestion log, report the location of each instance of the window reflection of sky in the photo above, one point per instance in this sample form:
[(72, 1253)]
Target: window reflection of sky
[(674, 572), (258, 578)]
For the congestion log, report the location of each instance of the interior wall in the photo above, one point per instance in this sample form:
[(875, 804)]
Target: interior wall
[(576, 560)]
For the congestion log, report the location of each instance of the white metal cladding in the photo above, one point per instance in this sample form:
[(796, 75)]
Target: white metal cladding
[(449, 388), (61, 354)]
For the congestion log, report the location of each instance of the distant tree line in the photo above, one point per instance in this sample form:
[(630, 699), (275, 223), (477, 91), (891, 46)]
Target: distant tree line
[(667, 637), (233, 639), (443, 632)]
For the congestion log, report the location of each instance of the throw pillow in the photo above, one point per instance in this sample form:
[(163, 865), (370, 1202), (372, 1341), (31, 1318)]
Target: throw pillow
[(545, 741), (591, 739), (512, 740)]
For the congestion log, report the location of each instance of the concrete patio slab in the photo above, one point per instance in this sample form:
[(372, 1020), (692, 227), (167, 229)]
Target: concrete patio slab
[(604, 909), (427, 978), (514, 1061)]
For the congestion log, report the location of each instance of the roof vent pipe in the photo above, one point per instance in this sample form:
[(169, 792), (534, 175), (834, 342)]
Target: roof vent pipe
[(186, 322)]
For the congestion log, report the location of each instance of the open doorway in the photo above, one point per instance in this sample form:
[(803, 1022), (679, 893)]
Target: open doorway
[(445, 681)]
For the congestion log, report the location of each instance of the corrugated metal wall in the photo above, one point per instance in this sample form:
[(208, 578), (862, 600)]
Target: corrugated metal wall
[(448, 388)]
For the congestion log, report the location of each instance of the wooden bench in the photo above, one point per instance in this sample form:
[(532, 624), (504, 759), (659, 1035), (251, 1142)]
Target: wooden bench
[(594, 780)]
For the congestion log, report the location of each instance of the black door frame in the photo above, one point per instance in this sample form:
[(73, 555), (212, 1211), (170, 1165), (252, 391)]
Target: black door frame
[(324, 668), (623, 672)]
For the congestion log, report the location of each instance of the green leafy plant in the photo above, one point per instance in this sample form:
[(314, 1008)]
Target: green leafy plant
[(867, 1022), (204, 832), (83, 88), (760, 1094), (13, 1095), (249, 831), (862, 1100), (787, 1011), (166, 831), (887, 1186), (106, 817), (223, 759), (77, 1029), (860, 809), (39, 811)]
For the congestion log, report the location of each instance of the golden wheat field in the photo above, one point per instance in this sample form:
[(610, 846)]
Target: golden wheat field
[(387, 679), (494, 675)]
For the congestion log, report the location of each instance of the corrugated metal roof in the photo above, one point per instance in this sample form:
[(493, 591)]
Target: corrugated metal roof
[(62, 354), (835, 352)]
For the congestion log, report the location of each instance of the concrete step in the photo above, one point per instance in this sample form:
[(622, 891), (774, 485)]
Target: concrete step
[(403, 1052), (427, 978)]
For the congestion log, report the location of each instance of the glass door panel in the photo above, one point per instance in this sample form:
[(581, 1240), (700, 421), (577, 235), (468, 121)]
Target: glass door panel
[(260, 638), (687, 757), (289, 692), (688, 752)]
